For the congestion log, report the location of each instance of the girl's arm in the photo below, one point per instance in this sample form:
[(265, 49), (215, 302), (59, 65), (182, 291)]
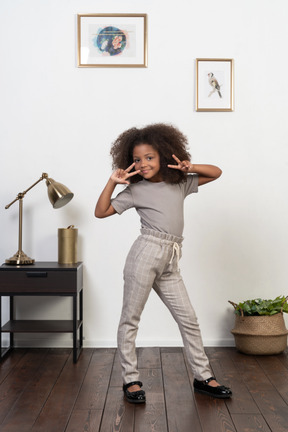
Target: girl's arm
[(206, 173), (104, 207)]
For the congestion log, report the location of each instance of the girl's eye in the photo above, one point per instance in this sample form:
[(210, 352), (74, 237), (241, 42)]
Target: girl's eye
[(149, 158), (136, 160)]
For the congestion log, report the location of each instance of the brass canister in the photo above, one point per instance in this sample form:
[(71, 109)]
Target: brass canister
[(67, 245)]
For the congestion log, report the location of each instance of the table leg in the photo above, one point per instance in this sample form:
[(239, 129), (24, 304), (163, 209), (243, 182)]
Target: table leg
[(11, 318), (0, 326), (75, 328), (5, 350), (81, 319)]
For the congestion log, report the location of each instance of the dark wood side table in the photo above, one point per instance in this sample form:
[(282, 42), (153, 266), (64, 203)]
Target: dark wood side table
[(43, 279)]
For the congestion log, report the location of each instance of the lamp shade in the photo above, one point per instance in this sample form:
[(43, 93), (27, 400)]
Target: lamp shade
[(59, 195)]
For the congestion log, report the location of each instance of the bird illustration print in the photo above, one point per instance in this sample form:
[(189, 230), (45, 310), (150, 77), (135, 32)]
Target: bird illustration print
[(214, 84)]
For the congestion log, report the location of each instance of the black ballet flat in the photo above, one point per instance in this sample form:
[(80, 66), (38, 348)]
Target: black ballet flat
[(136, 397), (203, 387)]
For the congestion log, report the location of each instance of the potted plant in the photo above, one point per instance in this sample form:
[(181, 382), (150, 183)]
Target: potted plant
[(260, 327)]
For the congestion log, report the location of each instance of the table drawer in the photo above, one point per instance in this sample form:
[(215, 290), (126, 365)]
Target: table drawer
[(38, 281)]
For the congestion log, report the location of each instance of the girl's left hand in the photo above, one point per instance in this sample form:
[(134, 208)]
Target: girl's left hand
[(185, 166)]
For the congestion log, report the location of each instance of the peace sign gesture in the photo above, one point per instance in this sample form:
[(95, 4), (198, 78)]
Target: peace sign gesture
[(121, 176), (184, 166)]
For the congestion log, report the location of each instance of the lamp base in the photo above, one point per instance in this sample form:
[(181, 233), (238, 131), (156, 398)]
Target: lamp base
[(20, 258)]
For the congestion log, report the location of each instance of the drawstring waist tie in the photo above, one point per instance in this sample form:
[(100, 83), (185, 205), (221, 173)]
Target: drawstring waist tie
[(176, 253), (167, 239)]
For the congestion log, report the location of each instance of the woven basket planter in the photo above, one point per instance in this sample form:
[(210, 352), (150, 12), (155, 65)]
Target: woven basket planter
[(260, 335)]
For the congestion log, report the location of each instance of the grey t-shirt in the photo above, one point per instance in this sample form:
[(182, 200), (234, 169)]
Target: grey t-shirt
[(159, 205)]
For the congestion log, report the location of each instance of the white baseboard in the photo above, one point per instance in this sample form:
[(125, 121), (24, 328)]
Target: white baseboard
[(64, 343)]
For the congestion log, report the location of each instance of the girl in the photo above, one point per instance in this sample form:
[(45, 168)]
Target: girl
[(155, 165)]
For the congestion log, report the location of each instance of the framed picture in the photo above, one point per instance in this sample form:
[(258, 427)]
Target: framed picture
[(214, 85), (112, 40)]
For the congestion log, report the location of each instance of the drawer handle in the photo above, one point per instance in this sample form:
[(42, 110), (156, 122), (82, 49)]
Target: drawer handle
[(36, 274)]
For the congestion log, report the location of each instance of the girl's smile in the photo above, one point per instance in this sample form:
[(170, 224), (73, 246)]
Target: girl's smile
[(147, 160)]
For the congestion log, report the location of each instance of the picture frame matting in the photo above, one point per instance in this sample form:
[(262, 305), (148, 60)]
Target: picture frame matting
[(214, 84), (112, 40)]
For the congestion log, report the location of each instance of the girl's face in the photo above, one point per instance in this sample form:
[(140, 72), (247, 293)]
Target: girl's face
[(147, 160)]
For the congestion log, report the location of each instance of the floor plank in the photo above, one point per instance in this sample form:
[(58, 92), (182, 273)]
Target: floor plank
[(119, 414), (16, 382), (266, 396), (227, 374), (277, 373), (250, 423), (9, 362), (42, 390), (149, 358), (58, 408), (181, 409), (84, 421), (94, 389), (151, 416), (29, 405)]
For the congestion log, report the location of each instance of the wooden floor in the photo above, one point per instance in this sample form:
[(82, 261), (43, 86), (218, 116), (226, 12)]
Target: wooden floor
[(42, 390)]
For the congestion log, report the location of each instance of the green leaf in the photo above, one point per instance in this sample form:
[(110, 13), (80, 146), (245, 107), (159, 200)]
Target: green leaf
[(259, 306)]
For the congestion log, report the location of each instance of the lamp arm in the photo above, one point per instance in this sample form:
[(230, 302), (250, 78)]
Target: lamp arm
[(22, 194)]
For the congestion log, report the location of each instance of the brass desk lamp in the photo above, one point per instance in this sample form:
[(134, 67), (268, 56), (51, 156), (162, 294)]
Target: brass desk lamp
[(59, 195)]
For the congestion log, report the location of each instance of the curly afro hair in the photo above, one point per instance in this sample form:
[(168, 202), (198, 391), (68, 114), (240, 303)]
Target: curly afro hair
[(165, 139)]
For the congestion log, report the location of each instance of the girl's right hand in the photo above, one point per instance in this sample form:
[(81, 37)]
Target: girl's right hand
[(121, 176)]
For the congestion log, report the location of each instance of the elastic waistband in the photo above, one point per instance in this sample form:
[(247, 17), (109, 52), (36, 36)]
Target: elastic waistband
[(163, 237)]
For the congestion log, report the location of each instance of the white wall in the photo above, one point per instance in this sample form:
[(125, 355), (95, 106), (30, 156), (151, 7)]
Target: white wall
[(61, 119)]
